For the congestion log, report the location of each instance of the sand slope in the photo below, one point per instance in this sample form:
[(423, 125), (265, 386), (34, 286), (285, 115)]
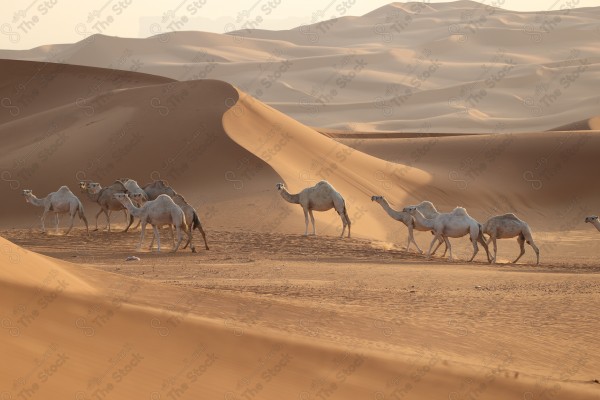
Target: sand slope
[(457, 67), (131, 337)]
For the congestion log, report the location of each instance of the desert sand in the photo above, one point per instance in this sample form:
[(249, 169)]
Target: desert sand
[(267, 313)]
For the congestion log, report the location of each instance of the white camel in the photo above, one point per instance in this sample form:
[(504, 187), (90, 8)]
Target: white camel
[(454, 224), (156, 188), (191, 217), (321, 197), (63, 201), (594, 221), (426, 208), (158, 212), (135, 192), (509, 226), (104, 198)]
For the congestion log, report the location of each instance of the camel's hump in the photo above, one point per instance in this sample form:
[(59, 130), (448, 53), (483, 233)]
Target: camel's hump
[(459, 211), (63, 189), (118, 185), (508, 215)]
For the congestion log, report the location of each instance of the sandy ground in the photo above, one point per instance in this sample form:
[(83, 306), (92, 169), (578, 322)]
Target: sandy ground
[(473, 329)]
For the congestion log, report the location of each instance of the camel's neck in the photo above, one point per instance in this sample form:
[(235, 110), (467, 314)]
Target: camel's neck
[(391, 212), (35, 201), (421, 220), (133, 210), (290, 198), (596, 224), (93, 196)]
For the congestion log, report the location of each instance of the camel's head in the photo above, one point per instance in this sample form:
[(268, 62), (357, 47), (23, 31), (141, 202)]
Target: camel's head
[(27, 193), (122, 197), (280, 186), (83, 186), (591, 219), (138, 198), (376, 198), (93, 187), (409, 209)]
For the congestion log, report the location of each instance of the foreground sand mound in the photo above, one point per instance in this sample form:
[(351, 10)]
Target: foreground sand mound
[(455, 67), (128, 337)]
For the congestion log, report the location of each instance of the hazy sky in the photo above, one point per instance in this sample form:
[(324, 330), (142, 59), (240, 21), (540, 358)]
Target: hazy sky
[(30, 23)]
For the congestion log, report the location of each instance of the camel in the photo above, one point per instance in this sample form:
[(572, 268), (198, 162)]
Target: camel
[(509, 226), (136, 193), (594, 221), (156, 188), (63, 201), (157, 212), (426, 208), (321, 197), (104, 197), (191, 217), (454, 224)]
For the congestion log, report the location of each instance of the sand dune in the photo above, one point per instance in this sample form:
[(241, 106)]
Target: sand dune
[(135, 337), (458, 67)]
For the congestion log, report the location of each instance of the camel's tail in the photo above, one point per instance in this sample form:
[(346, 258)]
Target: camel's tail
[(80, 210), (195, 221), (346, 214)]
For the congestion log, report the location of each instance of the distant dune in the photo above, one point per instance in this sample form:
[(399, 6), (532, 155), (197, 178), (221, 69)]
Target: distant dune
[(445, 67)]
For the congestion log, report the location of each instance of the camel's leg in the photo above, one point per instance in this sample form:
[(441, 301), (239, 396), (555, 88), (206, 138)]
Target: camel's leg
[(347, 218), (412, 238), (130, 216), (312, 219), (305, 221), (97, 215), (172, 236), (494, 257), (85, 221), (57, 222), (142, 235), (537, 251), (179, 237), (431, 246), (43, 219), (449, 247), (137, 225), (475, 248), (445, 249), (188, 231), (152, 241), (345, 221), (521, 240), (203, 235), (72, 219), (157, 236), (107, 212), (437, 247)]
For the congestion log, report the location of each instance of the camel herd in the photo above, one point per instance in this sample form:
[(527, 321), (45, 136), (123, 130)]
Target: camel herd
[(158, 204), (422, 217)]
